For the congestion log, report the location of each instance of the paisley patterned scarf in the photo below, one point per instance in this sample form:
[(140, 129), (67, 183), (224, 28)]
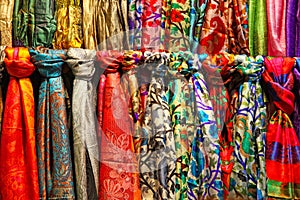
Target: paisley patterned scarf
[(86, 151), (18, 166), (52, 133), (118, 167), (283, 146)]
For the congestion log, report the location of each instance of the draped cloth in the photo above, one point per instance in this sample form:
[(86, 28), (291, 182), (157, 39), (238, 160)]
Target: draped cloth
[(45, 23), (293, 28), (118, 164), (283, 146), (204, 175), (105, 24), (23, 23), (296, 90), (181, 100), (248, 177), (6, 16), (135, 13), (225, 28), (219, 73), (157, 157), (86, 151), (258, 35), (2, 56), (276, 16), (52, 133), (18, 166), (69, 24)]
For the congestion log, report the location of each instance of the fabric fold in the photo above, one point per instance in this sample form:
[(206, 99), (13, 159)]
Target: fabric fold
[(6, 17), (18, 166), (86, 150), (118, 162), (52, 131), (283, 146)]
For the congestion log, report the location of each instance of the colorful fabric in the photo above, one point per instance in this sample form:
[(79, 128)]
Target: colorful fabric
[(85, 141), (293, 28), (258, 35), (69, 24), (219, 73), (296, 90), (248, 178), (18, 166), (181, 100), (283, 146), (204, 176), (118, 165), (157, 157), (52, 133), (6, 16), (23, 23), (135, 12), (88, 24), (45, 24), (225, 28), (197, 13), (276, 15), (2, 56)]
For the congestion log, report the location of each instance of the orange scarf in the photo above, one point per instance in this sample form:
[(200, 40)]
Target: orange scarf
[(18, 166)]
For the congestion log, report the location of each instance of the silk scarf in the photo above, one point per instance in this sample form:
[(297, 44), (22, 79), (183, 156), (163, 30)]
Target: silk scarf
[(181, 100), (23, 23), (69, 24), (225, 28), (157, 157), (220, 73), (110, 19), (86, 151), (135, 12), (258, 35), (52, 133), (296, 90), (45, 23), (276, 15), (18, 166), (293, 28), (118, 164), (248, 178), (283, 146), (6, 16), (204, 176)]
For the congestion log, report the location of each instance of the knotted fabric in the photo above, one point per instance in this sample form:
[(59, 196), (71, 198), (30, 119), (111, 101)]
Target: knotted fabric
[(6, 16), (18, 166), (181, 99), (157, 162), (248, 177), (204, 176), (118, 163), (52, 132), (296, 114), (86, 151), (69, 20), (283, 146)]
